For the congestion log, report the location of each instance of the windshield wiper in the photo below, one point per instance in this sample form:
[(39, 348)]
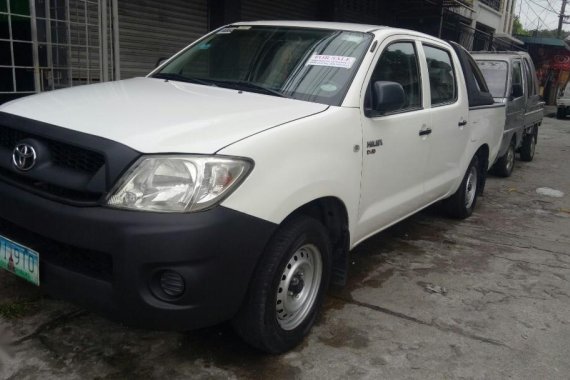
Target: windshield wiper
[(256, 87), (182, 78), (248, 86)]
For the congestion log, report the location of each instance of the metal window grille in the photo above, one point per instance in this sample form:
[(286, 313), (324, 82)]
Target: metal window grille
[(51, 44), (16, 48), (495, 4)]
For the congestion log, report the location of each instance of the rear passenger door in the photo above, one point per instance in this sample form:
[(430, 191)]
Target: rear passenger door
[(448, 119), (395, 152)]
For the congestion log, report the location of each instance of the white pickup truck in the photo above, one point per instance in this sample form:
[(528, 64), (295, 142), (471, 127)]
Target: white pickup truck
[(232, 181)]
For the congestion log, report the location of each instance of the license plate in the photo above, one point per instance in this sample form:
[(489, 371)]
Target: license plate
[(22, 261)]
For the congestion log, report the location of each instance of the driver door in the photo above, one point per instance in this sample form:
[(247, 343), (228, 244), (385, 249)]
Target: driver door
[(396, 144), (516, 101)]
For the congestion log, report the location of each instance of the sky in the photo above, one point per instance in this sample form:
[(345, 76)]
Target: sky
[(541, 13)]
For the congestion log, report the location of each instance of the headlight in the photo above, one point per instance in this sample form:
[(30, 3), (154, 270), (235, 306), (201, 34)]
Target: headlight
[(178, 183)]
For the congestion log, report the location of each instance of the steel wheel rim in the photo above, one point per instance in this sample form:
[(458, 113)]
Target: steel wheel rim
[(532, 145), (510, 158), (298, 287), (471, 188)]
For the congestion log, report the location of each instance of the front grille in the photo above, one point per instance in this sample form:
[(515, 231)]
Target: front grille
[(62, 155), (71, 167), (50, 190), (71, 157), (9, 137), (90, 263)]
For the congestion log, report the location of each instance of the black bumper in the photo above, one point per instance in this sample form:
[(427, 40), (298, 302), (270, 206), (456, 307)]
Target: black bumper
[(107, 260)]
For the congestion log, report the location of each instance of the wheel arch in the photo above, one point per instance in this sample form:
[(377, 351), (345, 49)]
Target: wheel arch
[(332, 213)]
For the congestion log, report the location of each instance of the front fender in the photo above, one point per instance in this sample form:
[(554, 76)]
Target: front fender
[(299, 162)]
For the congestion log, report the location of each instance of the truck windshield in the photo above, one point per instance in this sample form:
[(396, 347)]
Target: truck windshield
[(495, 73), (315, 65)]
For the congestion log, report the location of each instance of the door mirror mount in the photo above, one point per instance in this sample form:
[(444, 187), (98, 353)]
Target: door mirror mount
[(387, 97)]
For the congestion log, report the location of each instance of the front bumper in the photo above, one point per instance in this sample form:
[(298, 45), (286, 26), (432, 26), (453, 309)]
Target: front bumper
[(106, 260)]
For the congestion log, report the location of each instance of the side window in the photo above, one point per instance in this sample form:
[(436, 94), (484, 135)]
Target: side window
[(399, 63), (529, 79), (517, 74), (441, 76)]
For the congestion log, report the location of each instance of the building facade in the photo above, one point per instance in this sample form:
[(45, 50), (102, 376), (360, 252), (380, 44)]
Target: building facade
[(51, 44), (493, 24)]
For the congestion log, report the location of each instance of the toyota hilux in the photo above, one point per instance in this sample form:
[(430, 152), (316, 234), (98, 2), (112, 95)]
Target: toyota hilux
[(231, 183)]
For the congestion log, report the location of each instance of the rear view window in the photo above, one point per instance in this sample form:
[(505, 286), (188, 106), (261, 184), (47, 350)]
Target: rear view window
[(495, 73), (441, 76)]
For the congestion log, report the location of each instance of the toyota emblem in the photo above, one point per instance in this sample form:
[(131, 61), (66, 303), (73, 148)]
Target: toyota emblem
[(24, 157)]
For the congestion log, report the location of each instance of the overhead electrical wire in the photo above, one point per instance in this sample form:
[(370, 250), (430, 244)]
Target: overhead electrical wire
[(550, 5), (546, 9), (538, 17)]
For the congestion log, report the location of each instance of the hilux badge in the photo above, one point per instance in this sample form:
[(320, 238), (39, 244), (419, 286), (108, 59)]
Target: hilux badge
[(24, 156)]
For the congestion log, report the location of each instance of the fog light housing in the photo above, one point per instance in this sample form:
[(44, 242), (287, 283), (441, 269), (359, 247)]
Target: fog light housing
[(171, 283)]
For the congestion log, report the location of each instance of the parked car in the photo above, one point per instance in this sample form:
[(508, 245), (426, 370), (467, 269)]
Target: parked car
[(563, 102), (511, 77), (232, 182)]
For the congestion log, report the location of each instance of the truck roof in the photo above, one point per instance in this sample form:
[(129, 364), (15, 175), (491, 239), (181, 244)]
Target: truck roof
[(363, 28), (351, 27), (497, 55), (317, 24)]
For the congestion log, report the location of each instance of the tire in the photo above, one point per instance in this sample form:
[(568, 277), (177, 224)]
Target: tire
[(528, 146), (561, 113), (287, 288), (505, 164), (461, 204)]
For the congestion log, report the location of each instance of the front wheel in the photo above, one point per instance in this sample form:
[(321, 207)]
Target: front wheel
[(561, 113), (528, 147), (461, 204), (288, 287)]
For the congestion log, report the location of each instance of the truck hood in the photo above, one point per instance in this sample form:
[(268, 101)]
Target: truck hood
[(158, 116)]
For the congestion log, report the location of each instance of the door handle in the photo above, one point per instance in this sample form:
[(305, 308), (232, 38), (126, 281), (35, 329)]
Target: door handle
[(462, 123), (424, 132)]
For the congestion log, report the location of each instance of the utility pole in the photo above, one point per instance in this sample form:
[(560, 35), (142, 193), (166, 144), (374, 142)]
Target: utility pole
[(561, 18), (441, 20)]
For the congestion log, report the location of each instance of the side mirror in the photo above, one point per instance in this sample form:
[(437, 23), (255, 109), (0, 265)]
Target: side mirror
[(387, 97), (517, 91), (160, 61)]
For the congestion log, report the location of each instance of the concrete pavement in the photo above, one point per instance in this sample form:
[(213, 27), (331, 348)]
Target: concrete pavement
[(430, 298)]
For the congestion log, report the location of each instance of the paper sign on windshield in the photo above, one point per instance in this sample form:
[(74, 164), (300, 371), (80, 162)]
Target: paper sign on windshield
[(331, 61)]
